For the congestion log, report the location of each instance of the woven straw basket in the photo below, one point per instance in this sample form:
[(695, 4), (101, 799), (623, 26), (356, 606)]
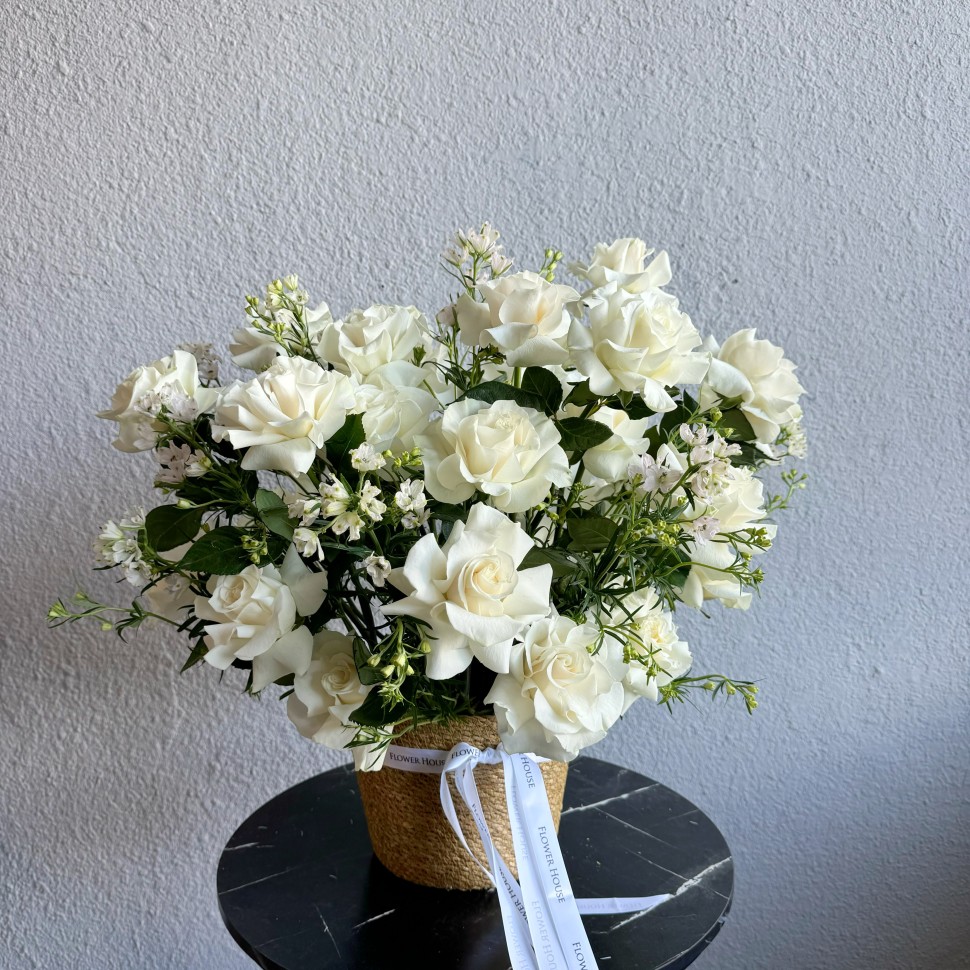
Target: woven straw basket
[(407, 827)]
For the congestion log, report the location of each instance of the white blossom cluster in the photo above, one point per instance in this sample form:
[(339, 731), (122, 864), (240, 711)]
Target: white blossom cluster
[(528, 485), (117, 545)]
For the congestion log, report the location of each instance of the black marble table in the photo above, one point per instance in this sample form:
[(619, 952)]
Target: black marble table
[(300, 888)]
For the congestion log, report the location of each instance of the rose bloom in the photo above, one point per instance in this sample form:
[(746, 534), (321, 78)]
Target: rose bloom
[(471, 591), (367, 340), (524, 316), (179, 373), (256, 350), (251, 616), (510, 453), (610, 460), (557, 697), (623, 262), (759, 373), (284, 415), (640, 343), (650, 628), (737, 503), (327, 693), (395, 408)]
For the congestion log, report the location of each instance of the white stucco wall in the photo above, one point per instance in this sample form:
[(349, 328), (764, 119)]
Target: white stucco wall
[(806, 167)]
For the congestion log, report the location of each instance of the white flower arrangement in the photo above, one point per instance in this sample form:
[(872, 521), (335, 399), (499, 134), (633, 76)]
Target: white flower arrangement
[(399, 521)]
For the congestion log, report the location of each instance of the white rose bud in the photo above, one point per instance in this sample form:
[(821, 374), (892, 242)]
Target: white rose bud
[(610, 460), (394, 416)]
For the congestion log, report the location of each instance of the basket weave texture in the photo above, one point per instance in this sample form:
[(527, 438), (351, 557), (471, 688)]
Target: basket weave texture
[(408, 830)]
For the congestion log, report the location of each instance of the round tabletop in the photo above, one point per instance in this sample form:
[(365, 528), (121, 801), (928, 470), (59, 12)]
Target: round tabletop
[(299, 886)]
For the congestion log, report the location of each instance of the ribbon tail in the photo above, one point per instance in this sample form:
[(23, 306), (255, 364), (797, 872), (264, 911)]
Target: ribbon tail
[(547, 886), (621, 904), (514, 919), (542, 917)]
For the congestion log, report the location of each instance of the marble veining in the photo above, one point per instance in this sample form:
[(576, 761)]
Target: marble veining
[(373, 918), (307, 892), (607, 801), (246, 885)]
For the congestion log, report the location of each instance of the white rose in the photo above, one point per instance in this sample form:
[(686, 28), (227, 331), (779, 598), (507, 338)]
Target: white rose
[(367, 340), (510, 453), (327, 693), (171, 596), (524, 316), (393, 411), (471, 591), (736, 503), (175, 375), (741, 504), (641, 343), (610, 460), (251, 616), (757, 372), (649, 628), (284, 415), (256, 350), (622, 262), (557, 697)]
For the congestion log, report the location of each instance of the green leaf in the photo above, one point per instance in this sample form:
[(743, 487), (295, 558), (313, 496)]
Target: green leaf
[(581, 434), (366, 674), (376, 712), (267, 501), (358, 551), (750, 457), (740, 425), (169, 526), (562, 563), (350, 435), (672, 420), (637, 408), (545, 386), (492, 391), (276, 548), (198, 652), (581, 395), (590, 533), (219, 553), (449, 513), (678, 577), (273, 513)]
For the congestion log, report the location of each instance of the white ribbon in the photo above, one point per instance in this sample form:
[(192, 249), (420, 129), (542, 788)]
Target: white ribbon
[(543, 928)]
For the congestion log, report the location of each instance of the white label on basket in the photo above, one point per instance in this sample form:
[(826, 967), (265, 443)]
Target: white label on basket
[(421, 759), (543, 929)]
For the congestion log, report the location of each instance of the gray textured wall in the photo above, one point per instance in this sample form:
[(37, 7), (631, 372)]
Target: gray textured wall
[(806, 167)]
